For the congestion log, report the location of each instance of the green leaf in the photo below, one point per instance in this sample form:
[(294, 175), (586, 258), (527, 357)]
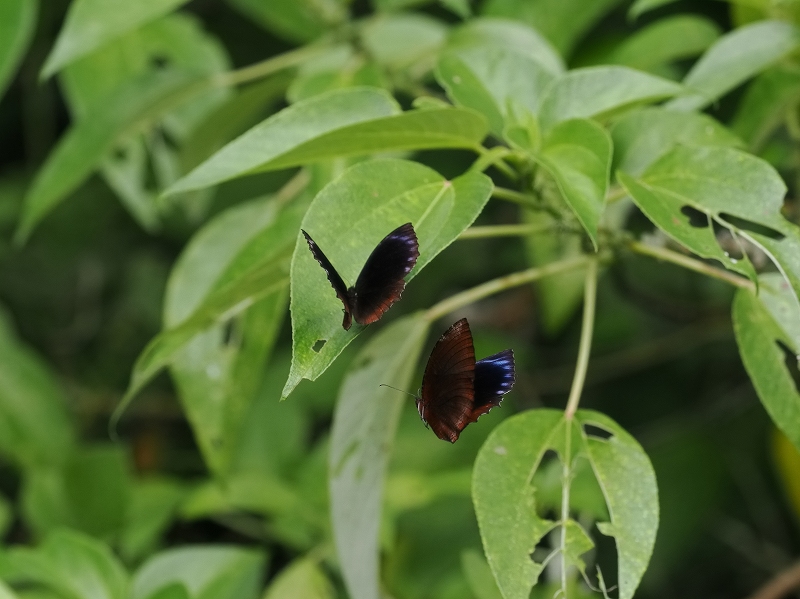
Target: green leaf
[(761, 323), (17, 22), (298, 20), (207, 572), (479, 575), (629, 485), (403, 41), (304, 579), (766, 104), (173, 591), (665, 41), (70, 564), (488, 79), (348, 122), (510, 35), (347, 220), (338, 68), (577, 153), (151, 508), (90, 24), (505, 501), (34, 426), (597, 91), (82, 147), (643, 136), (364, 425), (735, 58), (639, 7), (563, 22)]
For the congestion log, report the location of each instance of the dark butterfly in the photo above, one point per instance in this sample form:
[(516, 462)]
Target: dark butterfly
[(457, 390), (381, 281)]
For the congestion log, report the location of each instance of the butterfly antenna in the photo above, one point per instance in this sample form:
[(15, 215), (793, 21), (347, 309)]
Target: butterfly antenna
[(400, 390)]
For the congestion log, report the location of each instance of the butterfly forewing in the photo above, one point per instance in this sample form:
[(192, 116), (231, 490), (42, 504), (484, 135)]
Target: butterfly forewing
[(448, 385), (382, 280), (494, 377), (336, 281)]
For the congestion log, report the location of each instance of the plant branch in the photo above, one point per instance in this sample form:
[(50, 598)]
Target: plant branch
[(504, 231), (566, 476), (784, 582), (494, 157), (691, 263), (488, 288), (269, 66), (589, 301), (524, 199)]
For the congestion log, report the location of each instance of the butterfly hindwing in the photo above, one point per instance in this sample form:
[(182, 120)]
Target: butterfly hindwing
[(494, 377), (336, 281), (382, 280)]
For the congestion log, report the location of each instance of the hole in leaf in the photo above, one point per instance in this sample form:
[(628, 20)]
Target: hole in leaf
[(318, 345), (697, 219), (159, 61), (728, 241), (229, 333), (119, 154), (592, 430), (748, 225), (792, 365)]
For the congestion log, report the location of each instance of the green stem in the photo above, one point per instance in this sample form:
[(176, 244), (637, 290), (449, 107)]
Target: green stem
[(615, 194), (566, 475), (504, 231), (488, 288), (584, 349), (269, 66), (494, 157), (690, 263), (524, 199)]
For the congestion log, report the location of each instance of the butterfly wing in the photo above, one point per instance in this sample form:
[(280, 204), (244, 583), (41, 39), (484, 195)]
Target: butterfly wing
[(494, 377), (382, 280), (336, 281), (448, 385)]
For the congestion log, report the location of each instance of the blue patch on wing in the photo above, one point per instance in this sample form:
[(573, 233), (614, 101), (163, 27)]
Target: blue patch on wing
[(494, 377)]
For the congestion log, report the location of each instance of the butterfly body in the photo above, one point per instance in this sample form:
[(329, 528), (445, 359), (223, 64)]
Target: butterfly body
[(382, 279), (457, 390)]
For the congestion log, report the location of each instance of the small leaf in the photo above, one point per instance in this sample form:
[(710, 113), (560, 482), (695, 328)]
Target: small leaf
[(629, 485), (487, 79), (347, 122), (90, 24), (597, 91), (735, 58), (577, 153), (643, 136), (17, 23), (207, 572), (347, 220), (364, 425), (760, 324), (304, 579), (577, 542)]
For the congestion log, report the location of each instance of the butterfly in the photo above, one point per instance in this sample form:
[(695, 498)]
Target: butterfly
[(380, 282), (457, 390)]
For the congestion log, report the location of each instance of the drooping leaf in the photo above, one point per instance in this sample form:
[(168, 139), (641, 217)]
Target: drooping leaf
[(364, 425), (643, 136), (347, 220), (17, 22), (347, 122), (598, 91), (90, 24), (735, 58), (767, 330), (578, 155), (302, 578)]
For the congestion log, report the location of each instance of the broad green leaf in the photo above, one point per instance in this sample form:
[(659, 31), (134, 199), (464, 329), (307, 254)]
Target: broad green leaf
[(304, 579), (643, 136), (629, 484), (505, 501), (347, 220), (639, 7), (479, 575), (665, 41), (153, 503), (735, 58), (34, 426), (563, 22), (510, 35), (403, 41), (81, 148), (364, 425), (767, 330), (17, 22), (598, 91), (766, 104), (489, 79), (348, 122), (70, 564), (577, 153), (207, 572), (90, 24), (297, 20)]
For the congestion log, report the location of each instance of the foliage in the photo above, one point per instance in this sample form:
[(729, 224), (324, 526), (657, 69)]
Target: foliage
[(636, 160)]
